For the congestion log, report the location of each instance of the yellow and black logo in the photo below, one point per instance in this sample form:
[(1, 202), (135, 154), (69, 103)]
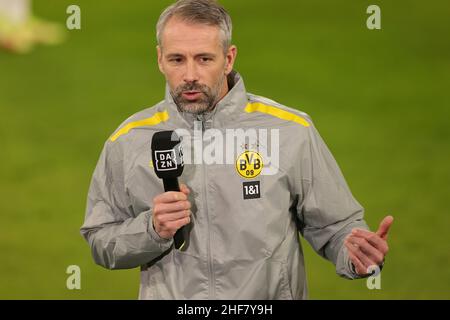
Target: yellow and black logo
[(249, 164)]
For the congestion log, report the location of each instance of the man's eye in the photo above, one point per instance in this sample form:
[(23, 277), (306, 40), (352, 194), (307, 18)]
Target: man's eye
[(204, 59), (176, 60)]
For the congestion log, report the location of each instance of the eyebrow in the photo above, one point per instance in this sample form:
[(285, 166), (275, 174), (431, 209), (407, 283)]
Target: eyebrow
[(179, 55)]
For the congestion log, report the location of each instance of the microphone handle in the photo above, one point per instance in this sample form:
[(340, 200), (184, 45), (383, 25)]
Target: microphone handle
[(171, 184)]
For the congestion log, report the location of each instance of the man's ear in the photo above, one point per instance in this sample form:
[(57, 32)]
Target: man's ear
[(230, 58), (159, 51)]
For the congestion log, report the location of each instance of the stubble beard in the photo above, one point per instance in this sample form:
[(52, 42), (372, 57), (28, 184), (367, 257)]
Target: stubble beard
[(205, 103)]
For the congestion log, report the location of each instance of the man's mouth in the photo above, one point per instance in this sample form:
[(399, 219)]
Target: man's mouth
[(192, 95)]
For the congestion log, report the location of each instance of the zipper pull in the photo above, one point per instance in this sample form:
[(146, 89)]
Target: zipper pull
[(200, 119)]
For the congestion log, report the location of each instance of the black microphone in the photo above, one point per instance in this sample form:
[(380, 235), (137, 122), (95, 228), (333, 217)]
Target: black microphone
[(167, 157)]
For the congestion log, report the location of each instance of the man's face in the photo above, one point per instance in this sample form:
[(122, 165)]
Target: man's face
[(194, 64)]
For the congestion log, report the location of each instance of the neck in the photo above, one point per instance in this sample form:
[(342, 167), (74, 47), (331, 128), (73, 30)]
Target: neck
[(223, 91)]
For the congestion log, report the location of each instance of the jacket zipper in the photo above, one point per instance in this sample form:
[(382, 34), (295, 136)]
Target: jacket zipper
[(211, 277)]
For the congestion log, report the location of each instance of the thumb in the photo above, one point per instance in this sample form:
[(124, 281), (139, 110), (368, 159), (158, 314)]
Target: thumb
[(384, 227), (184, 189)]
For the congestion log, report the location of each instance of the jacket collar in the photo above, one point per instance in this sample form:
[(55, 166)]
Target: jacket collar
[(225, 112)]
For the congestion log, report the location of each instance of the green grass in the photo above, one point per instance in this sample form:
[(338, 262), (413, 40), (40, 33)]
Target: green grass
[(379, 98)]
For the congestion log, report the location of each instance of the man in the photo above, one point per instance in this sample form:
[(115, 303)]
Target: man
[(242, 223)]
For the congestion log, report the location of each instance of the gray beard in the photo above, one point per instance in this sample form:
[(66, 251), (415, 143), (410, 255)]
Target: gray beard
[(202, 105)]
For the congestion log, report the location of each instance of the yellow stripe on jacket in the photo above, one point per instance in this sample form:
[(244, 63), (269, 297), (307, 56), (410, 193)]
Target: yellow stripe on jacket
[(152, 121), (276, 112)]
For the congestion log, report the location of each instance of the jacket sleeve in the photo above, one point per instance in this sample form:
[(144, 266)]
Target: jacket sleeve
[(327, 209), (119, 238)]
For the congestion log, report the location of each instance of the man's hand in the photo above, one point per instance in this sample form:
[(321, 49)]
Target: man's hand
[(367, 248), (171, 212)]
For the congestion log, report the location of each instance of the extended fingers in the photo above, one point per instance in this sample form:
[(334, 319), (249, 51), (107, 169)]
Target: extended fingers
[(360, 255), (371, 237), (372, 253), (368, 254), (359, 266)]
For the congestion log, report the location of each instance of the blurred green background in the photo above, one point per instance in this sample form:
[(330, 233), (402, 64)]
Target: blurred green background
[(379, 98)]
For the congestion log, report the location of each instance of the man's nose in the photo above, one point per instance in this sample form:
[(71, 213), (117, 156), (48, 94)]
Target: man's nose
[(191, 74)]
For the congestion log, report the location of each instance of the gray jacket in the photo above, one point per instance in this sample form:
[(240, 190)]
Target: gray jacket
[(240, 244)]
